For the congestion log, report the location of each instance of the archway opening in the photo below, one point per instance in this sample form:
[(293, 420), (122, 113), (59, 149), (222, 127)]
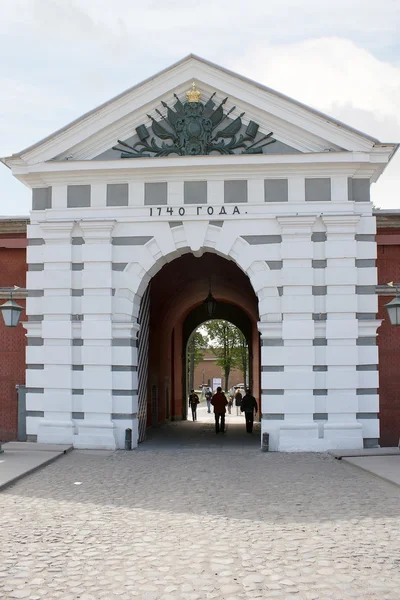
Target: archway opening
[(175, 308), (217, 355)]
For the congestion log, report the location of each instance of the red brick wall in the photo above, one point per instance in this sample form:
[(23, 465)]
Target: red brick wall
[(212, 370), (389, 343), (12, 340)]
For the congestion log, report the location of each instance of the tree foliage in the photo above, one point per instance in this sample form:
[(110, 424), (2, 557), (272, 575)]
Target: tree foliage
[(228, 345)]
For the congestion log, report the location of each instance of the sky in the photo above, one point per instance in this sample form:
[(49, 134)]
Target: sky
[(61, 58)]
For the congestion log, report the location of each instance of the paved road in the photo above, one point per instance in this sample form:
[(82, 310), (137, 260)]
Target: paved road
[(195, 519)]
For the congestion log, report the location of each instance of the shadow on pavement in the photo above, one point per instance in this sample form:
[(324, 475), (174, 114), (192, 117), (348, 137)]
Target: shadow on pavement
[(186, 469)]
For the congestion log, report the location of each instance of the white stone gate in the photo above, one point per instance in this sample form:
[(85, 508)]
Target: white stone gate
[(296, 218)]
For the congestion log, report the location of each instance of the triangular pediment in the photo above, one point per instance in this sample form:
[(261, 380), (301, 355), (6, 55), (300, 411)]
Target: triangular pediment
[(250, 110)]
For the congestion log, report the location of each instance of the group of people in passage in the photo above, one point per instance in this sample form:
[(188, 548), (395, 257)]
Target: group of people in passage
[(246, 404)]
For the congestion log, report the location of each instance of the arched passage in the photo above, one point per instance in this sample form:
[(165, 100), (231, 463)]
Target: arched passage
[(176, 298)]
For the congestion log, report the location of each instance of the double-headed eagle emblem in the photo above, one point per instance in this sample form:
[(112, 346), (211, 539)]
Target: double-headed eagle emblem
[(193, 128)]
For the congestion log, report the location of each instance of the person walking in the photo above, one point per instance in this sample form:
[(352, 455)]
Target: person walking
[(219, 403), (238, 401), (193, 402), (208, 399), (249, 407)]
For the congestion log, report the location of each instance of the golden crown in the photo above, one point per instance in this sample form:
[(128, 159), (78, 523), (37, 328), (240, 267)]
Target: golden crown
[(193, 95)]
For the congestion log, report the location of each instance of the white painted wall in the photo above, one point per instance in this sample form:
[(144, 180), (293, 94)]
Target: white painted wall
[(304, 408)]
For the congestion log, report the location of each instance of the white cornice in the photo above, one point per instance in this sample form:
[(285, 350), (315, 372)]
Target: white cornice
[(136, 99)]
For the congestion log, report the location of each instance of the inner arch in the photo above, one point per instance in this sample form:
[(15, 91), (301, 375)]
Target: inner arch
[(177, 293)]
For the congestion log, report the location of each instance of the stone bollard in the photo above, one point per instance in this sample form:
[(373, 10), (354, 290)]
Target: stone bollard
[(128, 439), (265, 442)]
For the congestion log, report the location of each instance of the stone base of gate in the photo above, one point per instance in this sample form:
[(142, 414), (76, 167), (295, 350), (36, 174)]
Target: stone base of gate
[(310, 437), (347, 436), (55, 432), (299, 437), (96, 435)]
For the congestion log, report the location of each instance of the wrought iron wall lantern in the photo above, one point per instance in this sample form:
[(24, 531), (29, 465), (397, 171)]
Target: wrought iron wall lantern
[(11, 311), (210, 303), (393, 307)]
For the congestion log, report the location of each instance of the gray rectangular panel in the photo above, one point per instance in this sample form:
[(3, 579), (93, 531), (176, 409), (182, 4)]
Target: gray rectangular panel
[(274, 265), (320, 368), (255, 240), (276, 190), (366, 415), (363, 263), (235, 191), (35, 241), (123, 416), (77, 241), (78, 415), (117, 194), (272, 392), (123, 342), (319, 264), (155, 193), (131, 240), (35, 413), (318, 189), (119, 266), (371, 442), (320, 342), (34, 341), (35, 267), (366, 341), (78, 196), (273, 416), (273, 368), (366, 367), (272, 342), (34, 390), (365, 237), (35, 293), (195, 192), (365, 289), (35, 367), (320, 416), (320, 392), (77, 266), (319, 316), (318, 236), (359, 190), (319, 290), (41, 198)]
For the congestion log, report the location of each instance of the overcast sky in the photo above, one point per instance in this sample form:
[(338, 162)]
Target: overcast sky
[(61, 58)]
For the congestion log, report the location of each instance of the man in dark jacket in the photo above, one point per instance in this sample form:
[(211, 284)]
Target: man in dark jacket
[(249, 407), (219, 402)]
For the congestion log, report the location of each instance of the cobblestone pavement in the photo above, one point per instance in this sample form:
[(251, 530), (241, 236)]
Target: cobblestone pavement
[(199, 522)]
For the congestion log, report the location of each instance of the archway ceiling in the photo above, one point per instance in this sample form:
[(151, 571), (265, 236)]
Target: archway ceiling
[(183, 284)]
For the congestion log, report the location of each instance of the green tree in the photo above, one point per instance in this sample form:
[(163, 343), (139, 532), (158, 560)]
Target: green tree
[(226, 341), (198, 343)]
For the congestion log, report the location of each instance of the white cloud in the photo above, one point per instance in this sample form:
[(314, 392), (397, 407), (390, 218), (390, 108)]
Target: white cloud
[(344, 81), (64, 58)]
